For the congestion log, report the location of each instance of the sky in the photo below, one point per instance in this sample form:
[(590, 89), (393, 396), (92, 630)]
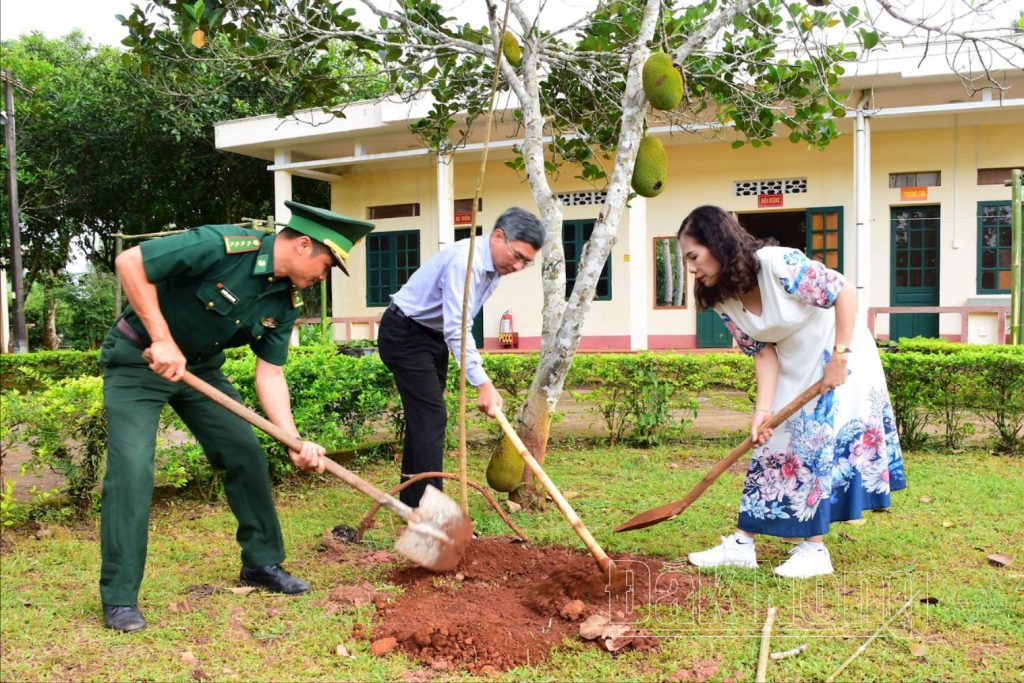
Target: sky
[(56, 18), (95, 18)]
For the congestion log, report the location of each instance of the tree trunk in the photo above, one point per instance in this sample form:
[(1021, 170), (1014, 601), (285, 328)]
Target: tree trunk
[(50, 339), (677, 298), (563, 320)]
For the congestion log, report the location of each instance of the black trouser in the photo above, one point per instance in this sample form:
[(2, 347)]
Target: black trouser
[(418, 358)]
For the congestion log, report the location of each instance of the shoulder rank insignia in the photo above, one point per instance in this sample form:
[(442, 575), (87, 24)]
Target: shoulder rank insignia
[(296, 297), (241, 244), (269, 323)]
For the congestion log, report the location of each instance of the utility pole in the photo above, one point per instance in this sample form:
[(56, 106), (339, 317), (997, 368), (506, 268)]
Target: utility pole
[(20, 334)]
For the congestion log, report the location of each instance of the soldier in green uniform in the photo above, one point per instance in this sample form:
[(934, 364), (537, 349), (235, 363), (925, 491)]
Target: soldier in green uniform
[(193, 295)]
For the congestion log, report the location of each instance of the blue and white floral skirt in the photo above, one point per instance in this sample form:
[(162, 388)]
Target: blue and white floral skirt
[(810, 474)]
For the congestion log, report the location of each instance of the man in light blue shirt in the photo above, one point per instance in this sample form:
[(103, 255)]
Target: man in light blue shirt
[(424, 322)]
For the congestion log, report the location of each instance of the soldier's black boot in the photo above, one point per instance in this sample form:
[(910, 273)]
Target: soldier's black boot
[(274, 578), (124, 618)]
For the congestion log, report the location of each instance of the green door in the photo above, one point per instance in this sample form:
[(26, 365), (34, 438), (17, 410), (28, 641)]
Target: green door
[(478, 322), (711, 331), (914, 279)]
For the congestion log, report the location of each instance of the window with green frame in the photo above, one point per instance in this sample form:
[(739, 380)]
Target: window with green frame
[(825, 236), (994, 253), (391, 258), (575, 235)]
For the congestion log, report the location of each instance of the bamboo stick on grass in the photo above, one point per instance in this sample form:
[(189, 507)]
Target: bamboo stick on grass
[(766, 636)]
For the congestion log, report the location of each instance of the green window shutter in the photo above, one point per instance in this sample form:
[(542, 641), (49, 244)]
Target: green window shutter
[(391, 258), (994, 250), (575, 235)]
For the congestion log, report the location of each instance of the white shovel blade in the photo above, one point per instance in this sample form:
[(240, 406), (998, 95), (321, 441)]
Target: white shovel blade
[(444, 515)]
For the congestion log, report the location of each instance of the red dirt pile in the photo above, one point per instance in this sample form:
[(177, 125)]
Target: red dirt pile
[(509, 603)]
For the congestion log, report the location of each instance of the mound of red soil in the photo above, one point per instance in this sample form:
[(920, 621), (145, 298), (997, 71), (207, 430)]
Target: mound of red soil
[(509, 603)]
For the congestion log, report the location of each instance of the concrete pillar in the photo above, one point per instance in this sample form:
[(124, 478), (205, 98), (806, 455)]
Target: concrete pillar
[(862, 201), (283, 193), (282, 186), (445, 212), (639, 274)]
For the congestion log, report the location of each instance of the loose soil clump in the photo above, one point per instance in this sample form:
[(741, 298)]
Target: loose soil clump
[(509, 604)]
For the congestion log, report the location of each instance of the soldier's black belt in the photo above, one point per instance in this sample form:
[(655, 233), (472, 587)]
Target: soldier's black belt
[(130, 334)]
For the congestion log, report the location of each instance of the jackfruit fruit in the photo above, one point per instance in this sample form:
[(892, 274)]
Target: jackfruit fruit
[(663, 84), (651, 168), (505, 470), (510, 48)]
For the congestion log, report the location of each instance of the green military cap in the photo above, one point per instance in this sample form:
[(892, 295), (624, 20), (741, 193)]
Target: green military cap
[(336, 232)]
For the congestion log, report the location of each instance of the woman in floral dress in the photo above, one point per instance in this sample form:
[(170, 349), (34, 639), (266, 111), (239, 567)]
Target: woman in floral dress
[(838, 456)]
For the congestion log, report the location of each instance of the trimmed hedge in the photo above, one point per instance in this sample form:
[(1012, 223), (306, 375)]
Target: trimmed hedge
[(34, 371), (341, 401), (941, 382)]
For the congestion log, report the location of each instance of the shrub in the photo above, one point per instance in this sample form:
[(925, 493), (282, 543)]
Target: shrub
[(950, 380), (907, 391), (34, 371), (943, 380), (638, 394), (65, 426), (998, 395), (337, 401)]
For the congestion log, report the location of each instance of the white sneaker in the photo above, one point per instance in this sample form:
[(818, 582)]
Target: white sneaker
[(731, 553), (806, 561)]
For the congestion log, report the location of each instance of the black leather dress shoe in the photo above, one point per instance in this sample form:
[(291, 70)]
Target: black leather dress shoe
[(273, 578), (125, 618)]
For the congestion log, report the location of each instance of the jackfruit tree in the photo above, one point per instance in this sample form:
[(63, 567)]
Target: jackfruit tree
[(756, 71)]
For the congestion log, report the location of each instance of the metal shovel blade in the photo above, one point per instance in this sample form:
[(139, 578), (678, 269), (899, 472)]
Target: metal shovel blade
[(420, 540)]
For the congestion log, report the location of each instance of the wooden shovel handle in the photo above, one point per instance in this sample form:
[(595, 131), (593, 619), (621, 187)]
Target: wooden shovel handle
[(295, 443), (563, 505), (670, 510), (728, 461)]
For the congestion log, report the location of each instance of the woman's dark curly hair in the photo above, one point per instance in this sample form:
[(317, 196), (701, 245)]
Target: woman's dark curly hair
[(733, 247)]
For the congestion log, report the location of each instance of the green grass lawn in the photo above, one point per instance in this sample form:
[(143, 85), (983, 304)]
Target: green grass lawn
[(51, 626)]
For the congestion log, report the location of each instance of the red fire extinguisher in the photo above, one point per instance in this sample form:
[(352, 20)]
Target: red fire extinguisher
[(506, 326), (506, 335)]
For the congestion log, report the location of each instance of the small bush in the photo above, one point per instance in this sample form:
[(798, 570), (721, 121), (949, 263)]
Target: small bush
[(65, 426), (998, 395)]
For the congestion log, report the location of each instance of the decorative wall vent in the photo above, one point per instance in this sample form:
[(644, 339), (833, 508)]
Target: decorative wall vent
[(752, 188), (586, 198)]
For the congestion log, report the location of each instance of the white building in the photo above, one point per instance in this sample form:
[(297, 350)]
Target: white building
[(933, 229)]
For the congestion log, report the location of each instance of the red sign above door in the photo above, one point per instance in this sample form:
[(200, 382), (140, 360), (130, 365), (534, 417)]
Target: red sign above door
[(768, 200)]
